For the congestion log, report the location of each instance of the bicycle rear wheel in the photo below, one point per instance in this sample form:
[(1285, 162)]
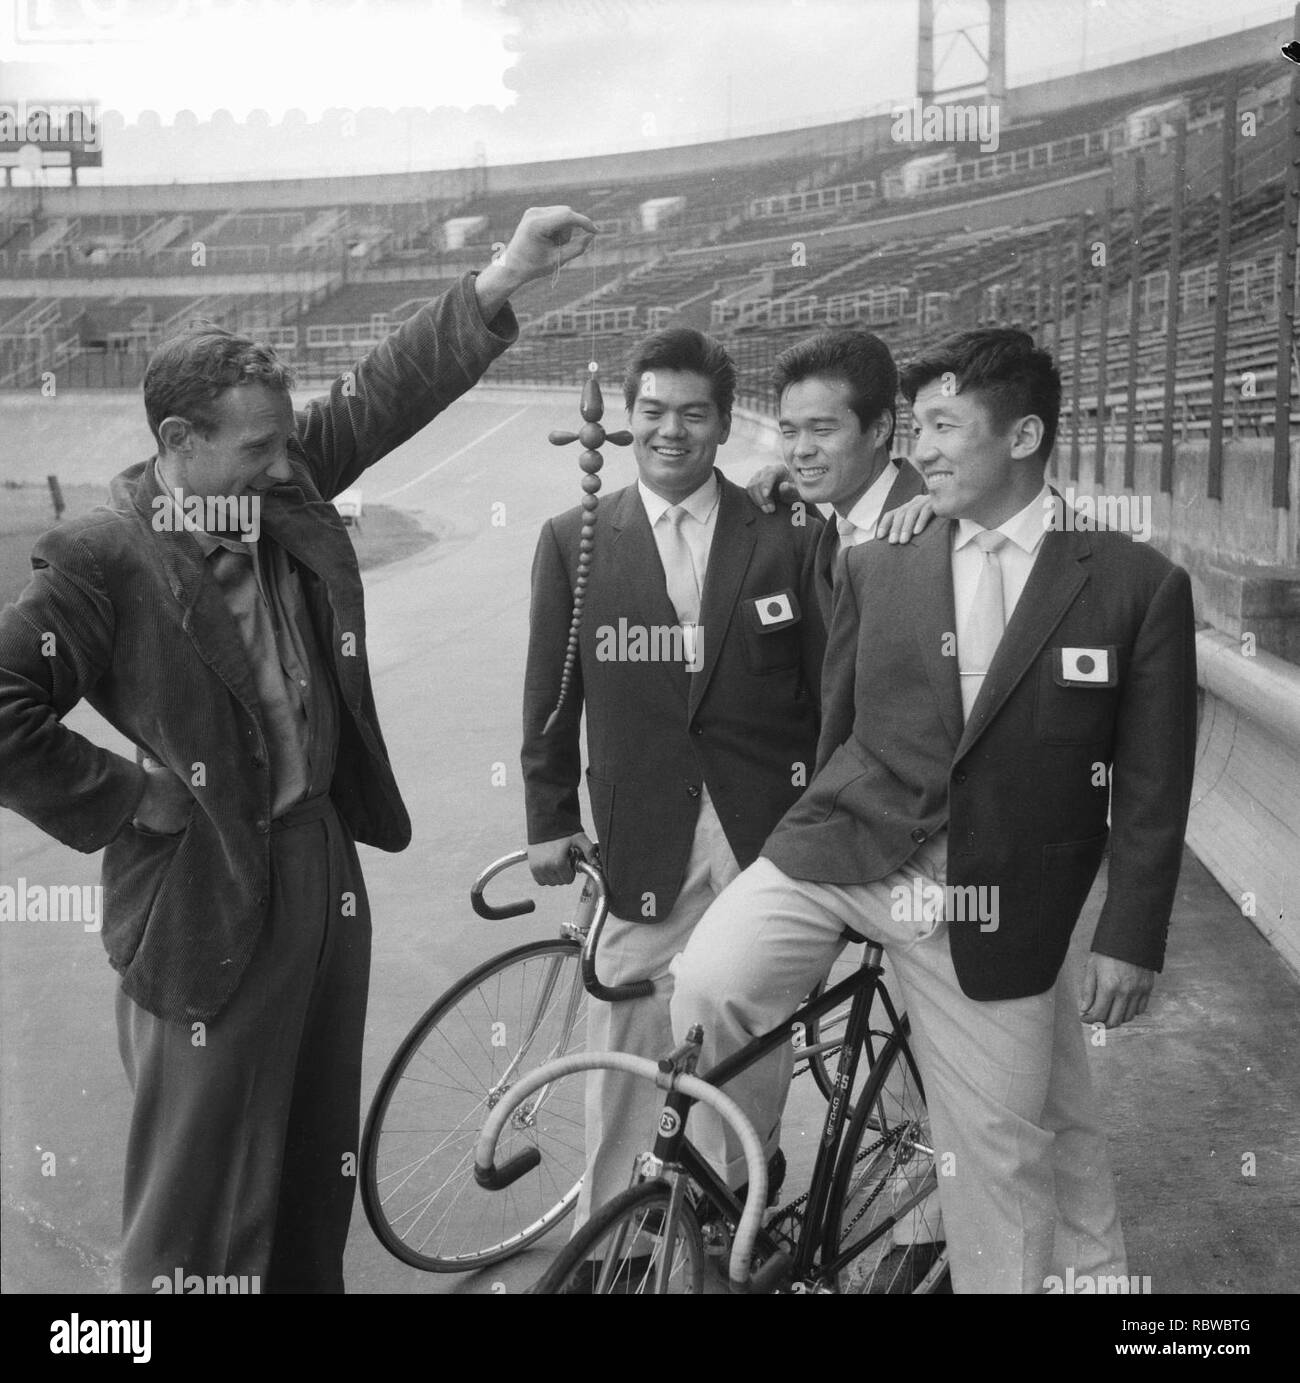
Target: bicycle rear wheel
[(886, 1168), (507, 1017), (624, 1249)]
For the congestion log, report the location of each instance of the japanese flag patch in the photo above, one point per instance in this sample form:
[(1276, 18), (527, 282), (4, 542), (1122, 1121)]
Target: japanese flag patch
[(1086, 667), (772, 612)]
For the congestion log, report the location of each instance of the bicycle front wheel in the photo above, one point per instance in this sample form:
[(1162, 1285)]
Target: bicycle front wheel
[(627, 1249), (884, 1234), (505, 1018)]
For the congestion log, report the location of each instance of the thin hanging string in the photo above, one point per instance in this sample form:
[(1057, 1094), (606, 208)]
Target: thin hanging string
[(591, 308)]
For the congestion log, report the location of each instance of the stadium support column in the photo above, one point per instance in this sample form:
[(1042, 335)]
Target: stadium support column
[(1222, 291), (1173, 306), (1286, 303), (925, 51), (1079, 295), (996, 79), (1103, 338), (1134, 319), (1058, 280)]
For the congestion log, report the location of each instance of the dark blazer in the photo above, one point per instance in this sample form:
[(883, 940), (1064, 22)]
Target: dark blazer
[(1022, 787), (743, 725), (907, 483), (140, 630)]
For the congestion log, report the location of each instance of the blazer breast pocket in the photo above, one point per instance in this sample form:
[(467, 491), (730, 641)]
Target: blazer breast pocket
[(772, 632), (1078, 694)]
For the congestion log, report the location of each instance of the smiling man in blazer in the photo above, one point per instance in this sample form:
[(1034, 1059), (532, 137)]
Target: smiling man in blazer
[(993, 688), (836, 395), (699, 665)]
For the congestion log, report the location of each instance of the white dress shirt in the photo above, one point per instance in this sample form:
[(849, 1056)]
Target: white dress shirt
[(1017, 555), (865, 514), (702, 507)]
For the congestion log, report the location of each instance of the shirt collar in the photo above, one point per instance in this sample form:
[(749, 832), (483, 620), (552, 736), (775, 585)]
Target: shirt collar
[(699, 503), (1025, 528), (865, 514)]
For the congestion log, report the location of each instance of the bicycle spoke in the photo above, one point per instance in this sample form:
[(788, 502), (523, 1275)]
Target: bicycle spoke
[(418, 1185)]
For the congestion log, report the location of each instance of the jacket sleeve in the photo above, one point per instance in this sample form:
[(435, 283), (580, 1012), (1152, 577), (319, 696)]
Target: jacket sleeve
[(407, 380), (839, 673), (552, 762), (55, 643), (1151, 785)]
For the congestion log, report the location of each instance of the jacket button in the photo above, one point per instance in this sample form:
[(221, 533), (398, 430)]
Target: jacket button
[(263, 824), (692, 790), (697, 729), (959, 776), (918, 835)]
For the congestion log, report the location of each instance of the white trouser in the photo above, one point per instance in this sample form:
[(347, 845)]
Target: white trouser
[(622, 1115), (1025, 1184)]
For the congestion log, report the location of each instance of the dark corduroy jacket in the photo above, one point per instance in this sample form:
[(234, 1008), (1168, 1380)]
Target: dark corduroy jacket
[(129, 619)]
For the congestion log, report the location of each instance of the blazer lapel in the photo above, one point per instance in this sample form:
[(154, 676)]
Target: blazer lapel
[(907, 485), (927, 603), (637, 588), (1055, 581), (205, 617), (729, 558), (828, 549)]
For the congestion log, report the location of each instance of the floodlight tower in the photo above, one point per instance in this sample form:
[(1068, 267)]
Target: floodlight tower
[(993, 55)]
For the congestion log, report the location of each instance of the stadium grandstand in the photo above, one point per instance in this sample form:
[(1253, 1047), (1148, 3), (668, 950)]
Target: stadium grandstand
[(747, 241)]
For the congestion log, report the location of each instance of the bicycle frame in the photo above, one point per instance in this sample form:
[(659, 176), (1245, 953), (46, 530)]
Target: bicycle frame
[(815, 1258), (812, 1257)]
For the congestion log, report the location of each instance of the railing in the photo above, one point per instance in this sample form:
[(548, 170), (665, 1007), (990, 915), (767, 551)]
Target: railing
[(361, 335), (873, 305), (819, 199), (587, 319), (992, 167)]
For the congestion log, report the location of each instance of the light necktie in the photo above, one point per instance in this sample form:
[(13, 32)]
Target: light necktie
[(979, 634), (683, 583)]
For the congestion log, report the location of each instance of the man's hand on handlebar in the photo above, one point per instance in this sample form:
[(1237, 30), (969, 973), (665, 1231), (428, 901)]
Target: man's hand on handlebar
[(549, 861)]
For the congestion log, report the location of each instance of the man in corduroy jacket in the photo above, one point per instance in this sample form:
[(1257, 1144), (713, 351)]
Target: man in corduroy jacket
[(212, 612)]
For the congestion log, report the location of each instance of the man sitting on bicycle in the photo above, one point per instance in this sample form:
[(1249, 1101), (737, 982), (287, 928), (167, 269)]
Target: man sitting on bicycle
[(984, 682)]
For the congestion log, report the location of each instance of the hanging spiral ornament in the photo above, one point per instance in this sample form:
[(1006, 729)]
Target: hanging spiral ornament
[(592, 436)]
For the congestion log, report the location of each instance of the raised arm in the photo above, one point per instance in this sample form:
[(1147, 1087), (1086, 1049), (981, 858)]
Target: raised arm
[(434, 357)]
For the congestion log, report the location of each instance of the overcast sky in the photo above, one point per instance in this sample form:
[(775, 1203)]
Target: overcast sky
[(513, 80)]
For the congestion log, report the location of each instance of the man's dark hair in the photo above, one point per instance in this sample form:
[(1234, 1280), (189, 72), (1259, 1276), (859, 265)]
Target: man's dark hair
[(859, 358), (188, 371), (683, 348), (1013, 376)]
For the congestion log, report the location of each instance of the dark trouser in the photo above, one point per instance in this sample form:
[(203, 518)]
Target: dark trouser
[(242, 1157)]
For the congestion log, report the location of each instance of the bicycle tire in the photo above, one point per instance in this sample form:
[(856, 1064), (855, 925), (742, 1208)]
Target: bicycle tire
[(885, 1158), (632, 1225), (417, 1175)]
